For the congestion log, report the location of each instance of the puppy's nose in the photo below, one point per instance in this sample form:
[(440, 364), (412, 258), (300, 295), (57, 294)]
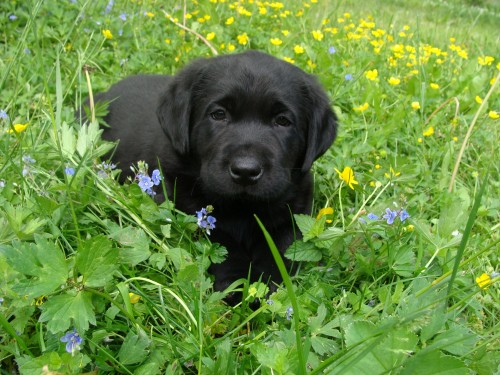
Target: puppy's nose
[(245, 170)]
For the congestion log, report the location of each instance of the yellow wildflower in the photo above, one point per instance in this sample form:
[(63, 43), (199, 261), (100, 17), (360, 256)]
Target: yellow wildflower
[(347, 175), (107, 34), (483, 281), (394, 81), (285, 32), (434, 86), (493, 115), (485, 60), (134, 298), (230, 21), (310, 64), (276, 41), (392, 173), (371, 74), (478, 99), (231, 47), (289, 60), (428, 132), (18, 128), (210, 36), (242, 39), (318, 35), (262, 10), (298, 49), (415, 105), (150, 15), (323, 212), (362, 107)]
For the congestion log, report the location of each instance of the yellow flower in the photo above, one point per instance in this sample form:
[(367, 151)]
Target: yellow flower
[(242, 39), (134, 298), (107, 34), (276, 41), (323, 212), (483, 281), (298, 49), (347, 175), (371, 74), (318, 35), (262, 10), (150, 15), (434, 86), (231, 47), (285, 32), (392, 173), (428, 132), (493, 115), (289, 60), (415, 105), (230, 21), (485, 60), (498, 66), (210, 36), (478, 99), (394, 81), (310, 64), (362, 107), (168, 41), (18, 128)]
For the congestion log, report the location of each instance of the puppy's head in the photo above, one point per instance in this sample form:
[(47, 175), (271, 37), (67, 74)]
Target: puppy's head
[(252, 122)]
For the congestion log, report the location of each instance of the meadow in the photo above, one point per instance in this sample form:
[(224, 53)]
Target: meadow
[(399, 260)]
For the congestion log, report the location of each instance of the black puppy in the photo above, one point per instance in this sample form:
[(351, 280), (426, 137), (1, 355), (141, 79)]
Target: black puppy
[(237, 132)]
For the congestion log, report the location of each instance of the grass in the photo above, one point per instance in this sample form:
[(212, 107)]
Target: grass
[(377, 292)]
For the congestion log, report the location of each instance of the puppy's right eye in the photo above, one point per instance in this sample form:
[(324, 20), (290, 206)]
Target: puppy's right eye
[(219, 115)]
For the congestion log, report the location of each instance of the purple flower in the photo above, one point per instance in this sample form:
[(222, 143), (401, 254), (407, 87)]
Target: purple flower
[(206, 222), (12, 17), (109, 6), (69, 171), (372, 216), (390, 215), (4, 115), (332, 50), (73, 340), (348, 77), (28, 159), (156, 177), (145, 182), (289, 313), (403, 215), (123, 16)]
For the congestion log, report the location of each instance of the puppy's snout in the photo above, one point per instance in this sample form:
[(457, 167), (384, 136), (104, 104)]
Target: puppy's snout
[(245, 170)]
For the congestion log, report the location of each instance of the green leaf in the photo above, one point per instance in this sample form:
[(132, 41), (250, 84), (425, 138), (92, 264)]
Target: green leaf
[(180, 257), (301, 251), (456, 340), (67, 310), (135, 244), (454, 212), (134, 349), (309, 226), (42, 262), (403, 262), (434, 363), (96, 261), (323, 345)]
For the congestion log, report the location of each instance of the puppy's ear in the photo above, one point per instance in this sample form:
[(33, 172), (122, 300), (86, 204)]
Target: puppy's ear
[(175, 105), (322, 124)]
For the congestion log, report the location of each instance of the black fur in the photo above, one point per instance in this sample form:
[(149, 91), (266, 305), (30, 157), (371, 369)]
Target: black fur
[(238, 132)]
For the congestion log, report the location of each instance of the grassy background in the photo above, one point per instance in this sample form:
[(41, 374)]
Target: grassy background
[(79, 251)]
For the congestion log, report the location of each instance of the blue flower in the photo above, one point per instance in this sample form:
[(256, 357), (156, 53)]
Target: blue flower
[(123, 16), (12, 17), (4, 115), (403, 215), (156, 177), (270, 302), (372, 216), (206, 222), (1, 301), (145, 182), (332, 50), (69, 171), (109, 6), (28, 159), (289, 313), (348, 77), (390, 215), (73, 340)]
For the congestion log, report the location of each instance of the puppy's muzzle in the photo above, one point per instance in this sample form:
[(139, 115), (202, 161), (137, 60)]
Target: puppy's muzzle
[(246, 170)]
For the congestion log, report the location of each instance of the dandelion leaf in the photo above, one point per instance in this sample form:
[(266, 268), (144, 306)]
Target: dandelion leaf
[(42, 262), (96, 261), (68, 310)]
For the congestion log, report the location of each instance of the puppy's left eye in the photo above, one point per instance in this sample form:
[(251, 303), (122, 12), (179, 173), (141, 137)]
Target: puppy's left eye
[(282, 121), (219, 115)]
